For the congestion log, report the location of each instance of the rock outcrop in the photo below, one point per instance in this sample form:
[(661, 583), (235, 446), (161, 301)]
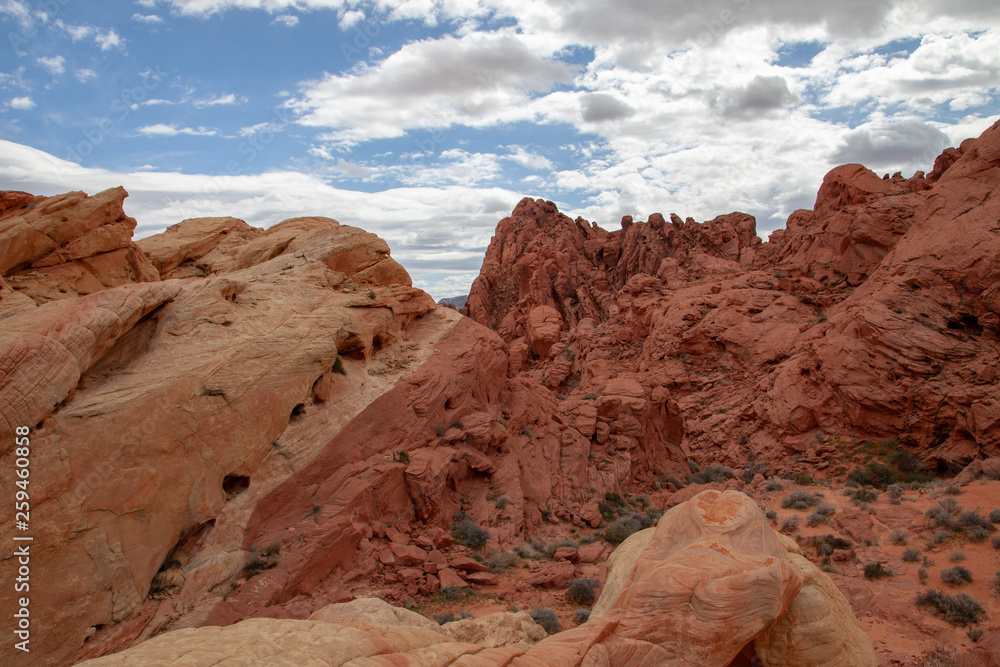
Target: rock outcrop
[(874, 315), (712, 582)]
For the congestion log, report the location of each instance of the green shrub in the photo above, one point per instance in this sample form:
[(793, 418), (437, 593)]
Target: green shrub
[(467, 533), (959, 609), (774, 484), (898, 537), (911, 555), (402, 456), (800, 500), (546, 618), (956, 576), (581, 591), (956, 556), (712, 473), (995, 541), (995, 516), (582, 616), (501, 560), (859, 496), (972, 519), (875, 570), (874, 474), (790, 525), (624, 526), (977, 534)]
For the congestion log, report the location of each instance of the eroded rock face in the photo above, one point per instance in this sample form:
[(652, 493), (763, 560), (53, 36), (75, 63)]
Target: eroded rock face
[(874, 315), (712, 580)]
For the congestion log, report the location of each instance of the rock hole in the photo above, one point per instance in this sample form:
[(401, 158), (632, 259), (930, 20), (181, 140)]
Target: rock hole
[(234, 485), (297, 411)]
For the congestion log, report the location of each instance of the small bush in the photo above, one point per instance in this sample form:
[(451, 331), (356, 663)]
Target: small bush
[(800, 500), (894, 491), (939, 515), (546, 618), (803, 479), (941, 536), (614, 499), (875, 570), (956, 556), (972, 519), (922, 574), (950, 504), (977, 534), (441, 619), (467, 533), (995, 516), (582, 616), (790, 525), (624, 526), (501, 502), (874, 474), (501, 560), (712, 473), (402, 456), (821, 514), (956, 576), (995, 541), (827, 544), (581, 591), (911, 555), (771, 515), (859, 496), (953, 490), (959, 609), (774, 484), (898, 537)]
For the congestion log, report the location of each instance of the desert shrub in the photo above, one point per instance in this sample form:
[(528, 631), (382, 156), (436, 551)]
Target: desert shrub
[(441, 619), (958, 609), (467, 532), (821, 514), (956, 556), (940, 656), (581, 591), (911, 555), (624, 526), (501, 502), (995, 583), (803, 479), (402, 456), (614, 499), (800, 500), (940, 516), (977, 534), (712, 473), (827, 544), (501, 560), (692, 466), (665, 479), (894, 491), (922, 573), (550, 548), (582, 616), (773, 484), (941, 536), (956, 576), (904, 461), (973, 519), (953, 490), (995, 541), (995, 516), (790, 525), (859, 496), (975, 634), (272, 548), (528, 550), (874, 474), (950, 504), (546, 618), (898, 536), (771, 515), (876, 570)]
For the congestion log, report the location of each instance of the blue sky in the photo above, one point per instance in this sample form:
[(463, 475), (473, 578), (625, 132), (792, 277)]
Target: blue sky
[(425, 121)]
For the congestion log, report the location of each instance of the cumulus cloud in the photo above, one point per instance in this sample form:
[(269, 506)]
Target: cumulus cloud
[(438, 233), (54, 64), (892, 145), (287, 20), (21, 103), (477, 79), (599, 107), (530, 160), (85, 74), (761, 95), (147, 18), (109, 39)]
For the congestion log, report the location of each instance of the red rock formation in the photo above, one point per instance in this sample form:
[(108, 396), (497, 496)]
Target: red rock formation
[(873, 315)]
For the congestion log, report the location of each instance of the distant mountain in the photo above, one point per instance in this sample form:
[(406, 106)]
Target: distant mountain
[(457, 301)]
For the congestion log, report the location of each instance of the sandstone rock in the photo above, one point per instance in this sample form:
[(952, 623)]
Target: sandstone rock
[(566, 553), (466, 564), (500, 629), (482, 578), (449, 578), (552, 575), (372, 611)]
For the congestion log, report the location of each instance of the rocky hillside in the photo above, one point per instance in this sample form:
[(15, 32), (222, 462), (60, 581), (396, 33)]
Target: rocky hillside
[(231, 423), (874, 315)]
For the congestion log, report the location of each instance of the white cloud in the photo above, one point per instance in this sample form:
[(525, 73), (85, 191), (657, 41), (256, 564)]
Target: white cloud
[(77, 32), (17, 10), (147, 18), (478, 79), (55, 64), (351, 18), (287, 20), (21, 103), (109, 39), (220, 100), (85, 74), (422, 225), (171, 130), (529, 160)]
